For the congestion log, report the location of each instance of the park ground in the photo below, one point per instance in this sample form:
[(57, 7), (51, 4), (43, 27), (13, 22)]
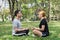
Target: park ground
[(6, 31)]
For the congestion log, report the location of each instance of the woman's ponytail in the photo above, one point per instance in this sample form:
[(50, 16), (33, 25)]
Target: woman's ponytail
[(15, 14), (13, 17)]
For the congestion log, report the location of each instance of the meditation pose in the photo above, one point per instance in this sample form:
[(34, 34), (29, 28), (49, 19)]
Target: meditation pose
[(43, 30), (17, 28)]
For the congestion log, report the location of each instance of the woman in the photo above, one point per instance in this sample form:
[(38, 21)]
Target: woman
[(43, 30), (17, 28)]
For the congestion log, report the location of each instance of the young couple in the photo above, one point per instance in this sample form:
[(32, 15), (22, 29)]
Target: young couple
[(41, 31)]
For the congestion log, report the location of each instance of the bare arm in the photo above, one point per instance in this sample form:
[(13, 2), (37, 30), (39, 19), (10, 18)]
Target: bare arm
[(16, 29), (41, 29), (20, 29)]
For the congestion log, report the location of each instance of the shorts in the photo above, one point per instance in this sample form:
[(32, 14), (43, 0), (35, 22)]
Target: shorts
[(44, 34)]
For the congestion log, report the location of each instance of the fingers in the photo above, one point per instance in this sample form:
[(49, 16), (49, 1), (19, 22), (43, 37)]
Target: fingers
[(33, 28), (26, 28), (30, 28)]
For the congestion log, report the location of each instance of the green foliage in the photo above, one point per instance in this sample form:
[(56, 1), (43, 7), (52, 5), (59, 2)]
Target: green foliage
[(29, 12)]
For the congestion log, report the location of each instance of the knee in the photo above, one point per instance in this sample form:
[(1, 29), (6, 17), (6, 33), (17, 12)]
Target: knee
[(34, 31)]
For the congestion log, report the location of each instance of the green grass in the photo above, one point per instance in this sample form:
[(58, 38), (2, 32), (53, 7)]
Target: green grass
[(6, 31)]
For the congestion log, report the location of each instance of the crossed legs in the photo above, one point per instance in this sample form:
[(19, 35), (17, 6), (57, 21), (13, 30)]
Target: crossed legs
[(37, 33)]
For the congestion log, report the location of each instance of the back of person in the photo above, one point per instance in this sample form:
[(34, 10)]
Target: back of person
[(16, 23), (44, 22)]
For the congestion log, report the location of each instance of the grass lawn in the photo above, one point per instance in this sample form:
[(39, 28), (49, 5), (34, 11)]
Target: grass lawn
[(6, 31)]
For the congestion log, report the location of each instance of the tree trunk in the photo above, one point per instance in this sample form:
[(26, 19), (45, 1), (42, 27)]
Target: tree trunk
[(48, 18), (11, 7), (3, 18), (20, 5), (17, 4)]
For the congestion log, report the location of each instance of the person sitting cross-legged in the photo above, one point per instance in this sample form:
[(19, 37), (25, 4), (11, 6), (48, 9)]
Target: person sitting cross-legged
[(43, 30), (17, 28)]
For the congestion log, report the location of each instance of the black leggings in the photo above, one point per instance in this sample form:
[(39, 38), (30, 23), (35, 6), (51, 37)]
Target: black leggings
[(25, 31)]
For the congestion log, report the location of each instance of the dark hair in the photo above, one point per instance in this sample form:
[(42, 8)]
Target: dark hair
[(15, 14)]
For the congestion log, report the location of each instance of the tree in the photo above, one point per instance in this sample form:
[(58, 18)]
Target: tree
[(48, 10), (56, 7), (11, 7)]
